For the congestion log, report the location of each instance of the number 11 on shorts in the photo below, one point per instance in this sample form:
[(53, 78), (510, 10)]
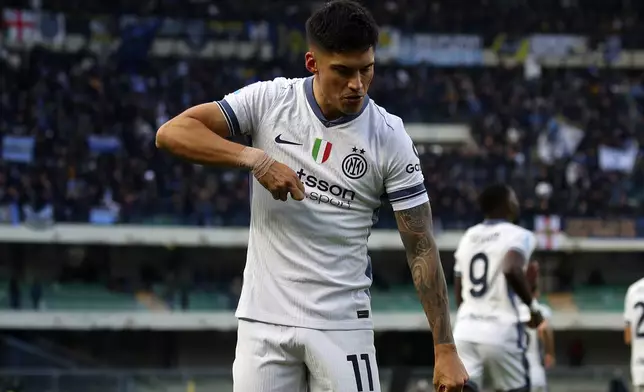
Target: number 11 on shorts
[(356, 370)]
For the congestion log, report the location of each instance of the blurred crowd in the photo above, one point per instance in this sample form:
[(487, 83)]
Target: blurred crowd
[(78, 129), (486, 17)]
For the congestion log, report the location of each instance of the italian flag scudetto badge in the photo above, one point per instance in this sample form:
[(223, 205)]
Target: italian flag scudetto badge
[(321, 150)]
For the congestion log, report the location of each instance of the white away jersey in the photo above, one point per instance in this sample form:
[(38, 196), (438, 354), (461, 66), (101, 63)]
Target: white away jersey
[(535, 348), (489, 312), (634, 318), (307, 262)]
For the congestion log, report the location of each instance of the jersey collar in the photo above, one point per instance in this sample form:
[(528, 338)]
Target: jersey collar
[(308, 90), (491, 222)]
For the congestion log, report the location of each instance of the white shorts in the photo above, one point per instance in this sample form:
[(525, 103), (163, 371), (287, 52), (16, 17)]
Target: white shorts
[(537, 376), (276, 358), (508, 369), (637, 376)]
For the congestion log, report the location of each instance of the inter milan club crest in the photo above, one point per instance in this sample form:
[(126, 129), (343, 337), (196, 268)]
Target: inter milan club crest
[(354, 165)]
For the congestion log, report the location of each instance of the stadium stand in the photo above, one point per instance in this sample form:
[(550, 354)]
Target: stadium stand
[(108, 174)]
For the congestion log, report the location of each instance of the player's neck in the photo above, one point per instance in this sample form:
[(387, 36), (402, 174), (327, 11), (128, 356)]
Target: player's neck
[(326, 108), (492, 220)]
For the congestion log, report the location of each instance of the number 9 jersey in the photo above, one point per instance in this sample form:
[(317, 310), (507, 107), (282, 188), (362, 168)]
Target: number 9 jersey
[(489, 312)]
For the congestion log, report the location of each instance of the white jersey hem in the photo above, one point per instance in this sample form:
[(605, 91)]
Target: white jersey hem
[(348, 325)]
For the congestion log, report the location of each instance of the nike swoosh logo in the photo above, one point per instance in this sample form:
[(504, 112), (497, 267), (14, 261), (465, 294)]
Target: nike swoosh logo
[(278, 139)]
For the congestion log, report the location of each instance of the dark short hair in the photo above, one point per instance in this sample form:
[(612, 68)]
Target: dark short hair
[(493, 198), (342, 26)]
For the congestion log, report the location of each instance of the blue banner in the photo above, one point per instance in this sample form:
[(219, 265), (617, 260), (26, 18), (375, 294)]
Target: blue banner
[(103, 144), (18, 149), (103, 216), (395, 46), (441, 49), (558, 45)]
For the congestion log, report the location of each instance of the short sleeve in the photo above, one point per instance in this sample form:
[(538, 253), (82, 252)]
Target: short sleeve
[(404, 181), (245, 109), (457, 266), (546, 312), (458, 258), (525, 243)]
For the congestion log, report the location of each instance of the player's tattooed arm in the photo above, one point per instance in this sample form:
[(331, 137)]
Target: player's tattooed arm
[(415, 226)]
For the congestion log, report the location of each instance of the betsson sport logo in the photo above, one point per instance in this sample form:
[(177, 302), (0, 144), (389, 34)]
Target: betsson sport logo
[(332, 194)]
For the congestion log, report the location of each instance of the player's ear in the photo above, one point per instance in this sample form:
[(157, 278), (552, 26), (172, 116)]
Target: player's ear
[(310, 62)]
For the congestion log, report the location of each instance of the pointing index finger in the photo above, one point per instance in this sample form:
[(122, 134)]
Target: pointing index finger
[(297, 192)]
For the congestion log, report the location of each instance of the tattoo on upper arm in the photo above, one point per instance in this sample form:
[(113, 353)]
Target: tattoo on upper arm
[(415, 226)]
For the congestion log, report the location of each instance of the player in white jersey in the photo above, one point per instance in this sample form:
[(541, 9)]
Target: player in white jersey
[(304, 312), (634, 331), (540, 341), (490, 283)]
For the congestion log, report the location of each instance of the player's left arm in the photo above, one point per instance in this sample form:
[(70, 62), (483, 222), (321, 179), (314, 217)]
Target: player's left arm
[(405, 188), (548, 339), (415, 227), (627, 320), (547, 335)]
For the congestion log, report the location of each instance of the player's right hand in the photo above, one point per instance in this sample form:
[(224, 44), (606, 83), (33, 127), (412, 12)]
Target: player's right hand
[(549, 361), (280, 180), (535, 319)]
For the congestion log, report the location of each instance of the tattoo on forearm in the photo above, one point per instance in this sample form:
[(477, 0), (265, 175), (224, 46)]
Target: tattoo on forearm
[(415, 229)]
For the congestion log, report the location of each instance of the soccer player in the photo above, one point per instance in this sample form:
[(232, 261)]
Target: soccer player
[(490, 283), (323, 154), (634, 332), (541, 346)]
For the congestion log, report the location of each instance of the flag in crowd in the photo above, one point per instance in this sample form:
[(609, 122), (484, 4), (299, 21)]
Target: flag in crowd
[(547, 229), (20, 25), (621, 159), (25, 27)]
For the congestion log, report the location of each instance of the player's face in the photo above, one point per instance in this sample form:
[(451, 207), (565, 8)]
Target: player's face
[(343, 78)]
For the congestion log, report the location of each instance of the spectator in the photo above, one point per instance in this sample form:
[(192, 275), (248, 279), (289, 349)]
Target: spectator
[(617, 383), (15, 293), (576, 353), (36, 294)]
